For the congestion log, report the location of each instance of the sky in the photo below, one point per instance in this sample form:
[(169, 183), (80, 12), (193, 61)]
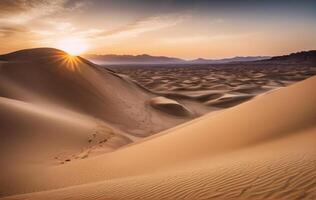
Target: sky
[(179, 28)]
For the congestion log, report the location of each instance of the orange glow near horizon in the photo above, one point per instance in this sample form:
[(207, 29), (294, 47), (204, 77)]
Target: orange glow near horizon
[(183, 29)]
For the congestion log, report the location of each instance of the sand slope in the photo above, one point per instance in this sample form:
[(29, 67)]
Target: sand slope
[(51, 77), (262, 149), (278, 173)]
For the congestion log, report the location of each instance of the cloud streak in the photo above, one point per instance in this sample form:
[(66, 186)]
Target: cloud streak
[(23, 11), (7, 31), (143, 26)]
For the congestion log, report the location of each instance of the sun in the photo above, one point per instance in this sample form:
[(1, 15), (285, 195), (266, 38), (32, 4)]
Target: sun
[(72, 45)]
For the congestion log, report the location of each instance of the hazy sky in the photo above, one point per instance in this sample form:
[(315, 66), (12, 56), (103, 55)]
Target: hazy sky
[(181, 28)]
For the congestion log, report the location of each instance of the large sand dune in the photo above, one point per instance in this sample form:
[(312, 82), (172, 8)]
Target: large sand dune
[(51, 77)]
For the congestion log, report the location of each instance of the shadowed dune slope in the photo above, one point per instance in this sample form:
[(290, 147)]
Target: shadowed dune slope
[(50, 77), (262, 149)]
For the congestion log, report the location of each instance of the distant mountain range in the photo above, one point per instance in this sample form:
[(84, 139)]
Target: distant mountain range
[(130, 59), (228, 60), (299, 57), (148, 59)]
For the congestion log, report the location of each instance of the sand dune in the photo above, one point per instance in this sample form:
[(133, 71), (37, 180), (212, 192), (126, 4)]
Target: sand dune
[(229, 100), (62, 118), (271, 155), (56, 109), (169, 106), (50, 77)]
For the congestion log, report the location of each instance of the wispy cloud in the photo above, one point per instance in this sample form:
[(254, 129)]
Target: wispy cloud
[(143, 26), (184, 39), (20, 18), (22, 11), (7, 31)]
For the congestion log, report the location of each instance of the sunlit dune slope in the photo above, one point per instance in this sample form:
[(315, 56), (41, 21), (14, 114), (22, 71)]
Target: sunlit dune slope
[(277, 170), (262, 149)]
